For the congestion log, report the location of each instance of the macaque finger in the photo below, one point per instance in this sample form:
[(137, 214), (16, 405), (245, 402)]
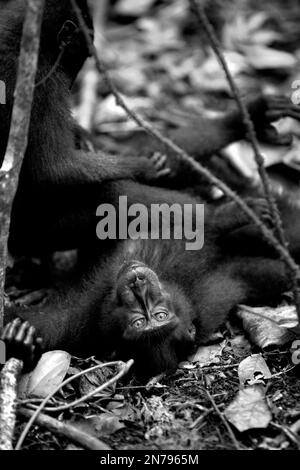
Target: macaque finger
[(283, 104), (164, 172), (29, 338), (271, 136), (161, 162), (22, 333), (293, 114), (5, 331), (155, 157), (10, 329), (274, 115)]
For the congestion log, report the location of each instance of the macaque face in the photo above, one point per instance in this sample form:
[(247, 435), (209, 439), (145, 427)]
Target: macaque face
[(153, 333), (141, 293)]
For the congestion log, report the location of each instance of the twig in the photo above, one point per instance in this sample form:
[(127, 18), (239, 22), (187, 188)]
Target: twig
[(283, 372), (61, 428), (216, 46), (124, 369), (221, 367), (288, 432), (90, 80), (199, 11), (18, 135), (196, 167), (223, 419), (8, 399), (200, 418)]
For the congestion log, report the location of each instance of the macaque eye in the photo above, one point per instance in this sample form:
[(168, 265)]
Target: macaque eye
[(161, 316), (139, 323)]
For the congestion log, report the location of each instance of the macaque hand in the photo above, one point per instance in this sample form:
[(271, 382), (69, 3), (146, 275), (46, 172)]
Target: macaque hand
[(22, 343)]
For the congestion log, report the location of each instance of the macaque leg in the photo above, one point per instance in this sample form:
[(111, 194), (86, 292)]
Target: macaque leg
[(246, 280), (230, 216)]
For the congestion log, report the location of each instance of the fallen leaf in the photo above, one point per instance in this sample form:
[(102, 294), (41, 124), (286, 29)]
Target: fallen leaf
[(263, 58), (240, 346), (269, 327), (211, 76), (47, 376), (133, 8), (207, 355), (105, 424), (89, 382), (249, 409), (253, 370)]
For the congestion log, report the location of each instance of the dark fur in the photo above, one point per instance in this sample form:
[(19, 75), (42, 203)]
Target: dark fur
[(60, 186), (201, 289)]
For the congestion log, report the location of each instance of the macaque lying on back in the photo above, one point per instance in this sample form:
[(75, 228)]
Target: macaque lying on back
[(155, 302)]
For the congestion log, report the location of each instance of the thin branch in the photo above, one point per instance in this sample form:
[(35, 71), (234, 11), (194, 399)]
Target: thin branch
[(200, 14), (8, 401), (223, 419), (199, 10), (288, 432), (124, 368), (195, 166), (63, 429)]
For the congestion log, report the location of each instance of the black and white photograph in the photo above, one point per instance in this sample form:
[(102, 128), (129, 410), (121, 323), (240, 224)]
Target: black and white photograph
[(149, 229)]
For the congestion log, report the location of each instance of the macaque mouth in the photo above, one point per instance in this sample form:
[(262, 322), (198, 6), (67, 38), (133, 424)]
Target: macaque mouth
[(128, 266)]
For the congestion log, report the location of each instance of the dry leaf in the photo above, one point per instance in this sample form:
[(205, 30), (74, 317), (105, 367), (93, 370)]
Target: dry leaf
[(207, 355), (103, 425), (262, 58), (249, 409), (269, 327), (47, 376), (253, 370), (89, 382), (133, 8), (240, 346)]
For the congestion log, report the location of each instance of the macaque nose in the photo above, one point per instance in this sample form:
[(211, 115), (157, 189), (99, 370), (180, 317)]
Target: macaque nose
[(138, 280), (139, 286)]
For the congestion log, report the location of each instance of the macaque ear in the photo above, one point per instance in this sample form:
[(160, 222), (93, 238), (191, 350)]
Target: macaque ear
[(66, 33)]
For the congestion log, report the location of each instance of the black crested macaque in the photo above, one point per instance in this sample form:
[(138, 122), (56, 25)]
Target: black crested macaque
[(154, 301), (61, 186)]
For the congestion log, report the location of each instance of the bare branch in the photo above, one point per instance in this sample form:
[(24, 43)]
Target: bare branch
[(198, 8), (61, 428), (8, 400), (123, 370)]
